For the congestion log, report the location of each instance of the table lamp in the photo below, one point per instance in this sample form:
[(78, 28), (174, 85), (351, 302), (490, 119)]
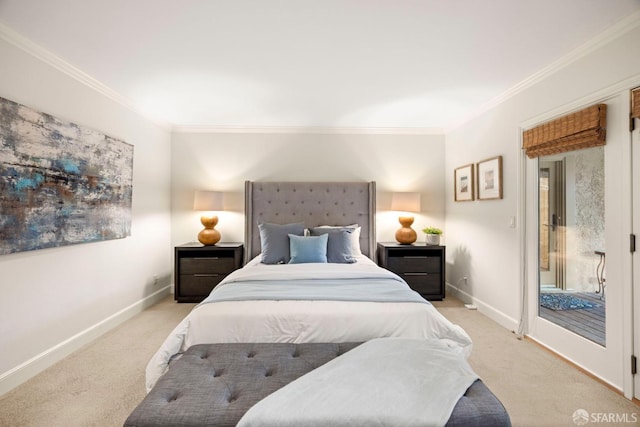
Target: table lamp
[(405, 203), (208, 201)]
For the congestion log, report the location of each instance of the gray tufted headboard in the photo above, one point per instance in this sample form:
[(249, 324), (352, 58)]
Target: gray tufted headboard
[(314, 203)]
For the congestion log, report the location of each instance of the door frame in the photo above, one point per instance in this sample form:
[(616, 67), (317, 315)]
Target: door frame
[(613, 363), (635, 291)]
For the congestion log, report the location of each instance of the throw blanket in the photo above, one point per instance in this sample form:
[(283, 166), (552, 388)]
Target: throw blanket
[(313, 282), (383, 382)]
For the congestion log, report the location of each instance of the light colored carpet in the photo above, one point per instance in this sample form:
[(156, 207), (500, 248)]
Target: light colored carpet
[(536, 387), (100, 384)]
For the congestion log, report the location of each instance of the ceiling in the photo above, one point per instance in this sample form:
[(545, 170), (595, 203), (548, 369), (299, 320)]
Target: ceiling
[(395, 64)]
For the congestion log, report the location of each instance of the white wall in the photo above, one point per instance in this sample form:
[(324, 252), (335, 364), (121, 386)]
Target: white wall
[(48, 297), (216, 161), (480, 243)]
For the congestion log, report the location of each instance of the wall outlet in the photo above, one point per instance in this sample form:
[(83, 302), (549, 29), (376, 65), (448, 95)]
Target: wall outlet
[(156, 279)]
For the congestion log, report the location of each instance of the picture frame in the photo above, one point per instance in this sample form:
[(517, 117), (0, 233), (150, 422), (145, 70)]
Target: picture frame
[(62, 183), (464, 183), (489, 178)]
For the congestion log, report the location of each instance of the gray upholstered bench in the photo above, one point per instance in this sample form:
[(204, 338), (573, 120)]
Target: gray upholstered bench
[(215, 384)]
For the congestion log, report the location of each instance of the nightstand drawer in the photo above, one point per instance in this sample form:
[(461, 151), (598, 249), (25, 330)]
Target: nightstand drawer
[(199, 268), (423, 283), (414, 263), (421, 266), (207, 265), (199, 284)]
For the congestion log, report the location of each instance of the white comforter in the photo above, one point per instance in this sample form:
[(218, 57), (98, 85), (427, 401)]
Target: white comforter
[(305, 320)]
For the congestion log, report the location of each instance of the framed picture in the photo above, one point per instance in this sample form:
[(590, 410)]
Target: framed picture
[(490, 178), (464, 188)]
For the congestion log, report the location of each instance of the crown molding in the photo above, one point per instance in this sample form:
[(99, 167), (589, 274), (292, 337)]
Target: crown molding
[(307, 130), (12, 37), (617, 30)]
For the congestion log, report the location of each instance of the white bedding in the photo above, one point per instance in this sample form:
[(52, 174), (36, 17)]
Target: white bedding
[(305, 321)]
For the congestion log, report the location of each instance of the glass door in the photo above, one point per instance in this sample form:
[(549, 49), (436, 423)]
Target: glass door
[(551, 203), (576, 259), (571, 222)]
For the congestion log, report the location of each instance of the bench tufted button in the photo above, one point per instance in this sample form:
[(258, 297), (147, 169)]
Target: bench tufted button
[(173, 397)]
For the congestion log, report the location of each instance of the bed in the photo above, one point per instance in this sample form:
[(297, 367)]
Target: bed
[(286, 295)]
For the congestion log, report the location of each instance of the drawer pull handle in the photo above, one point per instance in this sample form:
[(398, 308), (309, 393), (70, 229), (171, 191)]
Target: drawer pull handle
[(206, 275), (416, 257), (207, 258), (416, 274)]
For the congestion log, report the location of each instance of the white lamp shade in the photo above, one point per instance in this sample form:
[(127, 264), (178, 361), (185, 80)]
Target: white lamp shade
[(208, 201), (405, 202)]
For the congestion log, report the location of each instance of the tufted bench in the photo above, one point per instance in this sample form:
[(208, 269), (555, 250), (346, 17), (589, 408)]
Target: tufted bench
[(215, 384)]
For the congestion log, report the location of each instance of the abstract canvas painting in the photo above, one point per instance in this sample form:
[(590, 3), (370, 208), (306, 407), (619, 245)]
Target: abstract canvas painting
[(60, 183)]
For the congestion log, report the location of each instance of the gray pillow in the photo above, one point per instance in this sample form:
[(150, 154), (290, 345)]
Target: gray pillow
[(355, 236), (339, 246), (274, 241)]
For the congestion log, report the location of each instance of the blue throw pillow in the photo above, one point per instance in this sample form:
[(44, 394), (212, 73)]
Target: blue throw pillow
[(274, 241), (308, 249), (339, 247)]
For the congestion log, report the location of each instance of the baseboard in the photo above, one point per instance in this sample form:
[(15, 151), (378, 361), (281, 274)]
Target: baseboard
[(40, 362), (484, 308)]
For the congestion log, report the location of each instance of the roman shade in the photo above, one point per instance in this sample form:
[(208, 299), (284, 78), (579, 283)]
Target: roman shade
[(635, 103), (582, 129)]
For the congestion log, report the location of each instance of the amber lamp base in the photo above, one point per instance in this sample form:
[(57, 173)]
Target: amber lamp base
[(209, 236), (406, 235)]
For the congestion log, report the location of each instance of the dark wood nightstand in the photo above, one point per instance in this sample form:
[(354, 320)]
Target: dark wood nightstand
[(198, 268), (420, 265)]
